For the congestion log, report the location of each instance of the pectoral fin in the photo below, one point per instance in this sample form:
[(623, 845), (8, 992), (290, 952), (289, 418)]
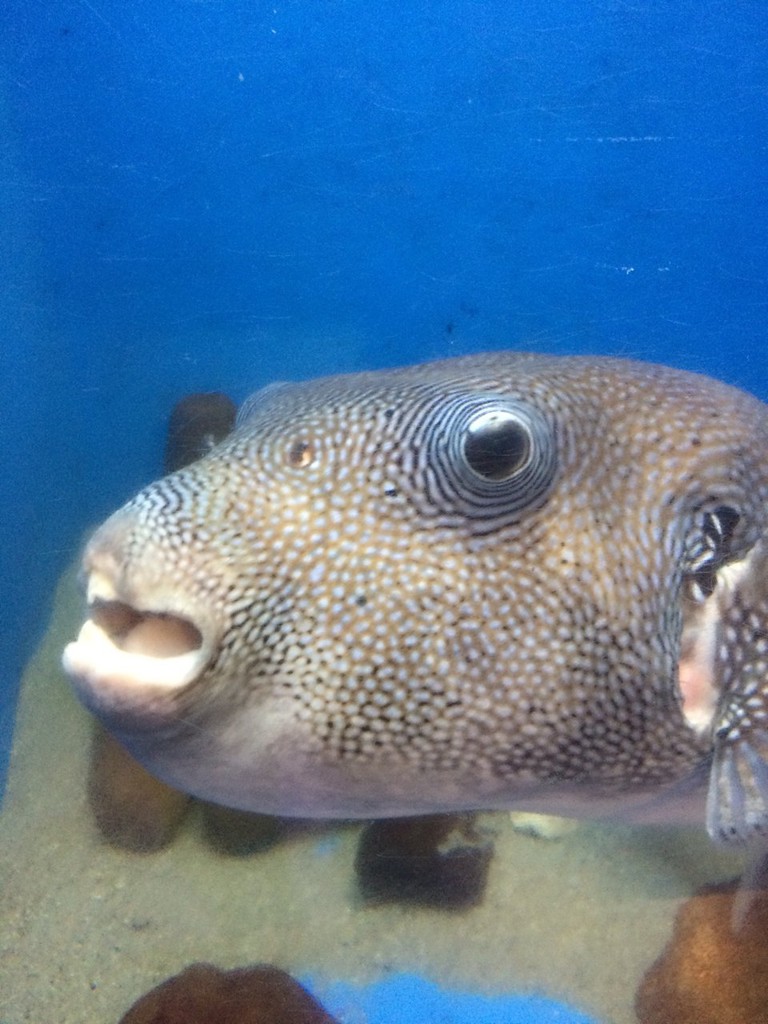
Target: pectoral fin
[(737, 803)]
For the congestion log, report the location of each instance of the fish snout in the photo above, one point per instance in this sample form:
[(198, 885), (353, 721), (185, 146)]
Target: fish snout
[(145, 638)]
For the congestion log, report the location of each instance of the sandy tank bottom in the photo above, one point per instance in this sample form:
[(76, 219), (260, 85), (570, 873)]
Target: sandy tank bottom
[(86, 929)]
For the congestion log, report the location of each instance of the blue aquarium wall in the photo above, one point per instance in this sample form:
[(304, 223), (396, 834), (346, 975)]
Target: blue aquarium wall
[(202, 195)]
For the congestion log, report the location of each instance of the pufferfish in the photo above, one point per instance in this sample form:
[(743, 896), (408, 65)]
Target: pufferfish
[(507, 580)]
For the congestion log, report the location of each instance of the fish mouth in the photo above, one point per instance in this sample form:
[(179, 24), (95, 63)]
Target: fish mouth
[(160, 635), (126, 655)]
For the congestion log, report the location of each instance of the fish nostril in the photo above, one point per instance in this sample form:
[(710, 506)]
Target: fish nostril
[(154, 634)]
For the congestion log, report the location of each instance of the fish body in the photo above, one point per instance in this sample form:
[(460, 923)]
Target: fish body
[(505, 580)]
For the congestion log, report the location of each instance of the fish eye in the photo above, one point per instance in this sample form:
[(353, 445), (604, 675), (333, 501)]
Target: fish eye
[(497, 445)]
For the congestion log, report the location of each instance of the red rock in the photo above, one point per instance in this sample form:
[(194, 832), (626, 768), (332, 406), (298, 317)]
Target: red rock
[(712, 972), (204, 994)]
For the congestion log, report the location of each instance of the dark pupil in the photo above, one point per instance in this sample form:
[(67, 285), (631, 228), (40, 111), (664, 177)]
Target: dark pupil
[(497, 449)]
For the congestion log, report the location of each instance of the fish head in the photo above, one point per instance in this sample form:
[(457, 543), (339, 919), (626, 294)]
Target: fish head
[(496, 581)]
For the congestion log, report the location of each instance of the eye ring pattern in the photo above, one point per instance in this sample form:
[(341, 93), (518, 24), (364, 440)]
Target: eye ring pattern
[(443, 480)]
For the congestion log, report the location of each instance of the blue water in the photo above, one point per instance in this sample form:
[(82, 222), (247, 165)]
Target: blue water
[(203, 195), (409, 999), (208, 195)]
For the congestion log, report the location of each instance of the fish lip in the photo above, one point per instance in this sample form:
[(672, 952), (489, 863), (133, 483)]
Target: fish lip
[(133, 661)]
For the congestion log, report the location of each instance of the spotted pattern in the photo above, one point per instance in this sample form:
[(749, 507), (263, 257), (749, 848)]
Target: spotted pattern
[(420, 617)]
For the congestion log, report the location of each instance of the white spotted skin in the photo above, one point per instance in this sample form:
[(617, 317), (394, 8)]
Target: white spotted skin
[(379, 639)]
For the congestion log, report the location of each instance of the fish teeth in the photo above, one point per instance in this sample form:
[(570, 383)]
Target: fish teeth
[(100, 588)]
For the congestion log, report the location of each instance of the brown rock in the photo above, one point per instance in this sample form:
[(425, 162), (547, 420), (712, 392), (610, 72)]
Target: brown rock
[(240, 833), (204, 994), (197, 423), (436, 860), (713, 971), (133, 810)]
